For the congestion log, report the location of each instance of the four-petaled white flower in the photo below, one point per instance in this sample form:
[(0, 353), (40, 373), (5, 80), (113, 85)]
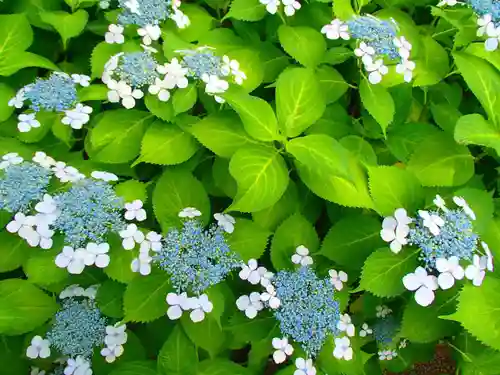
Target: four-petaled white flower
[(283, 349), (81, 79), (301, 256), (116, 335), (337, 278), (365, 330), (477, 270), (77, 117), (114, 34), (104, 176), (121, 90), (450, 269), (131, 236), (190, 213), (406, 68), (382, 311), (336, 29), (271, 5), (72, 260), (269, 296), (376, 70), (423, 284), (78, 366), (175, 74), (149, 33), (387, 355), (440, 203), (181, 20), (491, 44), (47, 210), (135, 211), (133, 6), (395, 230), (97, 254), (486, 25), (226, 222), (152, 242), (404, 47), (142, 263), (265, 277), (431, 221), (11, 158), (343, 348), (364, 50), (178, 303), (72, 291), (345, 325), (66, 173), (250, 272), (201, 305), (27, 122), (39, 348), (460, 202), (215, 85), (18, 100), (232, 67), (160, 88), (447, 2), (291, 6), (111, 353), (489, 256), (304, 367), (91, 292), (251, 304), (43, 160), (23, 226)]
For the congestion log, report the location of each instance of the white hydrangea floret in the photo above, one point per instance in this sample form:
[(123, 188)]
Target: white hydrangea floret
[(214, 86), (449, 271), (271, 5), (152, 242), (270, 297), (77, 117), (81, 79), (283, 349), (343, 348), (134, 211), (251, 304), (114, 34), (304, 367), (97, 254), (395, 229), (39, 348), (250, 272), (149, 33), (440, 203), (131, 236), (201, 305), (462, 203), (160, 88), (365, 330), (338, 278), (226, 222), (232, 67), (291, 6), (178, 303), (489, 256), (72, 291), (71, 259), (18, 100), (175, 74), (477, 270), (431, 221), (376, 70), (104, 176), (66, 173), (345, 325), (387, 355), (404, 47), (406, 68), (12, 158), (142, 264), (78, 366), (43, 160), (27, 122), (116, 335), (336, 29), (423, 284), (122, 91), (190, 213), (181, 20), (301, 256), (447, 2), (364, 50), (110, 353)]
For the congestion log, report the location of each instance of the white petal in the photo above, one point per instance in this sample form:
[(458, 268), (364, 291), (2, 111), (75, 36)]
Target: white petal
[(45, 352), (442, 265), (411, 282), (251, 312), (296, 258), (32, 352), (242, 303), (424, 296), (254, 278), (102, 261), (471, 271), (76, 267), (197, 315), (174, 312), (446, 280), (279, 356)]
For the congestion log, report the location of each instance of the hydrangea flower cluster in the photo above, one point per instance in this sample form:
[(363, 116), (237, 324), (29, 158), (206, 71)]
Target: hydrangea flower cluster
[(57, 93), (378, 41), (446, 240), (488, 19), (147, 15), (194, 258), (76, 330), (289, 6), (305, 307)]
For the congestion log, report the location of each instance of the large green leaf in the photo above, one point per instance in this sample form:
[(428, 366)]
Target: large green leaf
[(6, 93), (100, 55), (383, 272), (221, 366), (206, 334), (299, 100), (403, 139), (439, 161), (135, 368), (13, 251), (293, 232), (432, 64), (178, 354), (249, 240), (361, 149), (379, 103), (246, 10), (304, 44), (42, 270), (174, 191), (23, 307), (261, 175), (66, 24), (474, 129), (183, 100), (116, 135), (331, 82), (110, 298)]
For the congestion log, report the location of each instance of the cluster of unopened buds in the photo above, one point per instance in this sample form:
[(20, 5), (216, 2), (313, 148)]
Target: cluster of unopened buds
[(446, 240), (377, 41), (57, 93), (299, 296), (77, 328), (488, 20)]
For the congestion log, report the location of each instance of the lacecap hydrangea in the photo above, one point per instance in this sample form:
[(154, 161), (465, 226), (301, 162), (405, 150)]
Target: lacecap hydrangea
[(48, 198), (146, 16), (76, 330), (57, 93), (194, 258), (304, 306), (488, 19), (449, 247), (377, 42)]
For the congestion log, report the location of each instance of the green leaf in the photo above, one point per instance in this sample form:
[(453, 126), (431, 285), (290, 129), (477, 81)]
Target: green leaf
[(144, 298), (261, 175), (445, 116), (432, 64), (93, 92), (166, 144), (66, 24), (178, 354), (221, 366), (350, 240), (304, 44), (256, 114), (439, 161), (474, 129), (343, 9), (6, 93), (246, 10), (183, 100), (383, 272), (338, 55), (41, 268), (360, 149), (116, 135), (331, 83), (379, 103), (251, 65), (174, 191), (249, 240), (483, 80), (403, 139), (100, 56), (121, 260), (293, 232), (131, 190), (478, 311), (251, 330), (392, 188), (222, 133), (481, 202), (23, 307), (135, 368), (16, 35), (110, 299), (299, 100), (13, 251), (200, 22), (47, 120), (19, 60), (274, 61), (162, 110), (206, 334), (63, 132)]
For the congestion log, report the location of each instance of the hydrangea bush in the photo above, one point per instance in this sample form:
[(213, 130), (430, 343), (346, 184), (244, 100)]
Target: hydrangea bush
[(249, 186)]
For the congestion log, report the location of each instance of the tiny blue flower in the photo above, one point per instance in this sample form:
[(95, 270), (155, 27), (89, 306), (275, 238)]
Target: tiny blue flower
[(138, 69), (56, 93), (149, 12)]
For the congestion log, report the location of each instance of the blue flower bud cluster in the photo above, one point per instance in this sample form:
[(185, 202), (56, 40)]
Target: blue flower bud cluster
[(138, 69), (308, 311), (384, 330), (203, 62), (89, 210), (484, 7), (78, 328), (456, 238), (150, 12), (22, 184), (195, 258), (56, 93)]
